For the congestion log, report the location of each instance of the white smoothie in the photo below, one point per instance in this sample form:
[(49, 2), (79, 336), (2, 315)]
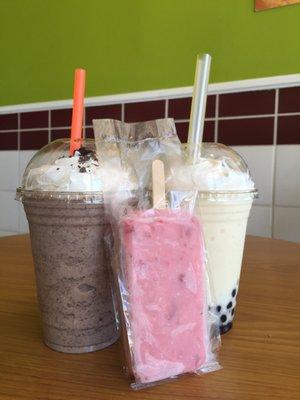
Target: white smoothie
[(225, 195), (224, 224)]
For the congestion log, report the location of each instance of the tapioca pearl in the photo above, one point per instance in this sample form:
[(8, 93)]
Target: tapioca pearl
[(218, 308), (232, 311), (223, 318), (233, 293), (225, 328), (229, 305)]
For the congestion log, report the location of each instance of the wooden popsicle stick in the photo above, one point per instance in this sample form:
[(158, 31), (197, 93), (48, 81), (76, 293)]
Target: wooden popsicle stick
[(158, 184)]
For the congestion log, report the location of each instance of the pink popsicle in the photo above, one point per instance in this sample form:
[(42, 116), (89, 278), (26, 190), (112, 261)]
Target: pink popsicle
[(163, 258)]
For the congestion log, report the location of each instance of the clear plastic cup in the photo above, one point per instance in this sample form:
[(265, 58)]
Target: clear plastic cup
[(224, 217), (67, 230), (224, 209), (221, 184)]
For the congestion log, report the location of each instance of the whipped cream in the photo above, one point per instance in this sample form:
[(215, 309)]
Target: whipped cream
[(79, 173), (210, 174)]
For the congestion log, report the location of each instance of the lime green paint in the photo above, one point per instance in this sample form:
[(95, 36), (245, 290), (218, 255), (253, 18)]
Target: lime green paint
[(134, 45)]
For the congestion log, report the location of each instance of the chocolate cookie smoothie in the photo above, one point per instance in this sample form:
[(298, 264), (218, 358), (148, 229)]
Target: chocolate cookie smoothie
[(63, 201), (73, 286)]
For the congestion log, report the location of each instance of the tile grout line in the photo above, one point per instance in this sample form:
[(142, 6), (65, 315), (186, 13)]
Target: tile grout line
[(19, 135), (49, 126), (187, 120), (290, 114), (263, 205), (216, 131), (286, 206), (19, 169), (274, 160), (83, 122), (122, 112), (44, 129), (250, 116)]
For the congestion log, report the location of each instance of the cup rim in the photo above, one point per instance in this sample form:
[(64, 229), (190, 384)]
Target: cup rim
[(86, 196), (215, 191)]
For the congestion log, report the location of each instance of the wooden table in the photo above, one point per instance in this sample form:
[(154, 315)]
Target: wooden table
[(260, 355)]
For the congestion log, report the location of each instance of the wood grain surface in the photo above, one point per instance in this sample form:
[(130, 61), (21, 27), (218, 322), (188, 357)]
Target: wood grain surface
[(260, 355)]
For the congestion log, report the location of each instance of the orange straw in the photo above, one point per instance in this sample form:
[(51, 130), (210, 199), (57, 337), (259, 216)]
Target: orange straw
[(77, 115)]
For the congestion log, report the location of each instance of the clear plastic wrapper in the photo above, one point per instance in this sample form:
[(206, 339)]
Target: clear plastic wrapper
[(159, 265), (163, 287), (132, 147)]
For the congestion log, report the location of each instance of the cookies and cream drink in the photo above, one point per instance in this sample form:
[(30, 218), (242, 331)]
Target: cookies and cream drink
[(63, 199)]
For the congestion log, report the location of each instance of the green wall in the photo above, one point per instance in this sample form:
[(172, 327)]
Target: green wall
[(133, 45)]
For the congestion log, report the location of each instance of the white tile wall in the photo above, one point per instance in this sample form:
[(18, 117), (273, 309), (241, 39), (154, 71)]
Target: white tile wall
[(12, 216), (287, 223), (260, 221), (260, 163), (9, 212), (9, 167), (287, 187)]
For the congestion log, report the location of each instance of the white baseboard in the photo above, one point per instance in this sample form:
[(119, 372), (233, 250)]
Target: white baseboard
[(273, 82)]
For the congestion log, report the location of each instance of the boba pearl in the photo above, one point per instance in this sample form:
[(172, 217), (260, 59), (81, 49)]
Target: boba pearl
[(226, 311), (225, 328), (229, 305), (223, 318)]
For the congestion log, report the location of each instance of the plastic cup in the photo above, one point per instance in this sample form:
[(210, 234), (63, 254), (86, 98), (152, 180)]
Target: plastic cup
[(224, 210), (224, 217), (222, 191), (67, 230)]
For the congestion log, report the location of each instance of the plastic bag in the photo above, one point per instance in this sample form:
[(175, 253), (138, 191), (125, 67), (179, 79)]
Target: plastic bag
[(134, 146), (159, 267)]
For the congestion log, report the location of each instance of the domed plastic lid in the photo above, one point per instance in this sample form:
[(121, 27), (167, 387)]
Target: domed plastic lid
[(52, 173), (219, 169)]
